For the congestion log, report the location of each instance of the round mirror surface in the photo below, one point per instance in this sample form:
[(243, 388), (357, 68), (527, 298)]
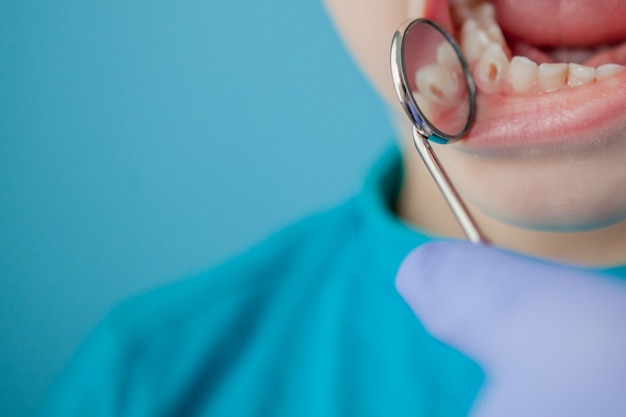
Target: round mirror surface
[(438, 91)]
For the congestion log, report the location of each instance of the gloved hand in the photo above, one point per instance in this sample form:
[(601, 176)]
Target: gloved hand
[(550, 339)]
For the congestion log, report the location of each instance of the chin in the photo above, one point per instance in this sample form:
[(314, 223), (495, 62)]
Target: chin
[(542, 218), (564, 190)]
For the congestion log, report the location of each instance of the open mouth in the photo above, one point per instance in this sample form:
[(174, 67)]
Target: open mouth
[(546, 71)]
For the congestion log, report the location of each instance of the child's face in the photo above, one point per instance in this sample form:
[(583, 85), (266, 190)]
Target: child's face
[(548, 149)]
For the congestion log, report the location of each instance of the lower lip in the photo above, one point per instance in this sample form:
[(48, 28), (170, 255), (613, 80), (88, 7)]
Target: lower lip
[(593, 114)]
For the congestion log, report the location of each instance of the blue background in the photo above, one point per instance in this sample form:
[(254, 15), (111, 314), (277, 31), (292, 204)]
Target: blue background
[(141, 141)]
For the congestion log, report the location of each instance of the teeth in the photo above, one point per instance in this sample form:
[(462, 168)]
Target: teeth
[(485, 12), (472, 8), (491, 69), (495, 34), (552, 76), (608, 70), (438, 84), (446, 56), (523, 73), (474, 40), (580, 75), (479, 31), (488, 54), (431, 110)]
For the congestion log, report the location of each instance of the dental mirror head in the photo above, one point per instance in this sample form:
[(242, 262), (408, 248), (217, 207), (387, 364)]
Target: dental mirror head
[(433, 81)]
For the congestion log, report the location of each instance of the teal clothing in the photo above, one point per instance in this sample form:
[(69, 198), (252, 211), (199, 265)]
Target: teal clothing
[(308, 323)]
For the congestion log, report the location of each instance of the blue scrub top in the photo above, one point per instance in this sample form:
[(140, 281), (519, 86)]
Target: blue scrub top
[(308, 323)]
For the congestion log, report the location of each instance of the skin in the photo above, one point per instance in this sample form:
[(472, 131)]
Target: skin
[(558, 202)]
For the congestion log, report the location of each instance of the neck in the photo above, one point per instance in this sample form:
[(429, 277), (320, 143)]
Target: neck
[(601, 247)]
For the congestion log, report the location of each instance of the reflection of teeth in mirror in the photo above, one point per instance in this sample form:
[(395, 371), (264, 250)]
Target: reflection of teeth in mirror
[(439, 84), (522, 73), (608, 70), (552, 76), (491, 69), (446, 56), (426, 105), (431, 110), (580, 75)]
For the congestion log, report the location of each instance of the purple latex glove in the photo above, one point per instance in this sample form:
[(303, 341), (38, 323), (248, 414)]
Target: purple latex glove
[(551, 339)]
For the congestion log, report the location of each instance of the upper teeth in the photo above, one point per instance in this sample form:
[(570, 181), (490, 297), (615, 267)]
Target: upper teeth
[(495, 70)]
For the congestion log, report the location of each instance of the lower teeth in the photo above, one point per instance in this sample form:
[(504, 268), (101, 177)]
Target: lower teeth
[(608, 70), (494, 71), (552, 76), (580, 75), (491, 69), (523, 73)]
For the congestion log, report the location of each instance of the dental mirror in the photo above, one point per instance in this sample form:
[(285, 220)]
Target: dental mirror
[(437, 91)]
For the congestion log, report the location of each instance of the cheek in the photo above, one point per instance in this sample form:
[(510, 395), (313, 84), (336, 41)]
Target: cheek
[(578, 192), (367, 27)]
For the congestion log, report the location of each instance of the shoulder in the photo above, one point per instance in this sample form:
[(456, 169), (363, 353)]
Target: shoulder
[(158, 341), (286, 258)]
